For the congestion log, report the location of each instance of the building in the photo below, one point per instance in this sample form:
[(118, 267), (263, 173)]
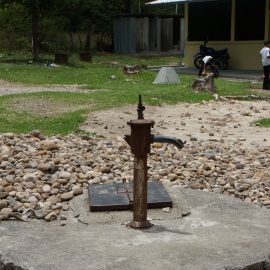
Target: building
[(239, 25), (136, 33)]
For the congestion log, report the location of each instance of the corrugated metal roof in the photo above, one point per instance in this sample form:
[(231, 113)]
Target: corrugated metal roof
[(175, 1)]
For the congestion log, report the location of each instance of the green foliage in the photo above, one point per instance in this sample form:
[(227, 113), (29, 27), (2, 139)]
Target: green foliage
[(103, 43), (52, 25), (23, 123), (15, 28), (263, 122)]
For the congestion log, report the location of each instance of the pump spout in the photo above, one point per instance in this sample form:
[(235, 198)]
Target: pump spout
[(165, 139)]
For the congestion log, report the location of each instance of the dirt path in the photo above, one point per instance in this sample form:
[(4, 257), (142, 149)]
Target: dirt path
[(7, 88), (217, 121)]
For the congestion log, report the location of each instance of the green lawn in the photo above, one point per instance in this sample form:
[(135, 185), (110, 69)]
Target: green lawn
[(62, 112)]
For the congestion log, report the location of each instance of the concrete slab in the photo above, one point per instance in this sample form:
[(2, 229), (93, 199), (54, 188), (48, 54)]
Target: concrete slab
[(166, 75), (252, 75), (220, 233)]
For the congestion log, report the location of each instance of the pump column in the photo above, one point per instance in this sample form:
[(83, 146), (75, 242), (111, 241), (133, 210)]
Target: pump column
[(140, 142)]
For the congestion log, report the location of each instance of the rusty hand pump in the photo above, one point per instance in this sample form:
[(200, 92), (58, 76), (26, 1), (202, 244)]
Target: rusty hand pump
[(140, 141)]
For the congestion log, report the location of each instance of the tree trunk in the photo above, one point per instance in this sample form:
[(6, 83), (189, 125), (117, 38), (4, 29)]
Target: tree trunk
[(80, 40), (9, 40), (204, 84), (89, 35), (35, 34), (71, 40)]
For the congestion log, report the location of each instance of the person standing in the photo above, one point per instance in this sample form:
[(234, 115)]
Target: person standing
[(266, 63), (206, 61)]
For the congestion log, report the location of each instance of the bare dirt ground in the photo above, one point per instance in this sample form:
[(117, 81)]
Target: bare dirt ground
[(229, 121), (7, 88)]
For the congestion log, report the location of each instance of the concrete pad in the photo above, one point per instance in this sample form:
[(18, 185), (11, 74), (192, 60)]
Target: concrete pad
[(166, 75), (245, 75), (220, 233)]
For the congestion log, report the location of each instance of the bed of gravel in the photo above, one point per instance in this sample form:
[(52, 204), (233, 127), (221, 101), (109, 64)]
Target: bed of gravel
[(39, 175)]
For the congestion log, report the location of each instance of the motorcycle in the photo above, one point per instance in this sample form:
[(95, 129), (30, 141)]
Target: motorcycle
[(221, 57)]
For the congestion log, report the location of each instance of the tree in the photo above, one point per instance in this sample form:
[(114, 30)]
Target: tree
[(51, 19), (15, 27), (34, 9)]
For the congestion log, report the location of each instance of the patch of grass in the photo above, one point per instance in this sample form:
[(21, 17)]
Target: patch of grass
[(265, 122), (75, 71), (23, 123)]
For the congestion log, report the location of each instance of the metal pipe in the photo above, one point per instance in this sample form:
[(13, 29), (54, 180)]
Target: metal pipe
[(140, 193), (165, 139)]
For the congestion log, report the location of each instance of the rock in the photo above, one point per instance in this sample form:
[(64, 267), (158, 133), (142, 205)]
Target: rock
[(67, 196), (203, 130), (56, 161), (3, 204), (29, 185), (65, 175), (53, 200), (42, 137), (194, 185), (3, 195), (240, 166), (172, 177), (65, 207), (32, 199), (217, 190), (54, 191), (29, 212), (40, 214), (77, 191), (35, 133), (105, 169), (86, 137), (20, 195), (46, 188), (9, 135), (44, 167), (166, 209), (49, 146), (63, 217), (8, 189), (157, 145), (266, 202), (6, 211), (4, 183), (51, 216)]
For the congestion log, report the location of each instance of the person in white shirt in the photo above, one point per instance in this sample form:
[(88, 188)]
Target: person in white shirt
[(266, 63), (206, 61)]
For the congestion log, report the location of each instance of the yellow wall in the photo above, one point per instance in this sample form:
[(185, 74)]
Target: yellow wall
[(244, 54)]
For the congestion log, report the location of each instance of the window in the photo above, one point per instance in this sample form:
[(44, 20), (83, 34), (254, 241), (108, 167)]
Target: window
[(210, 20), (249, 19)]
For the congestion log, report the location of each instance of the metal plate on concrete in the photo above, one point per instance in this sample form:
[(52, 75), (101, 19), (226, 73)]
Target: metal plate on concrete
[(110, 197)]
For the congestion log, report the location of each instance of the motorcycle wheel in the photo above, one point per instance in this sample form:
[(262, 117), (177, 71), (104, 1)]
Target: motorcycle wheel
[(197, 61), (223, 63)]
